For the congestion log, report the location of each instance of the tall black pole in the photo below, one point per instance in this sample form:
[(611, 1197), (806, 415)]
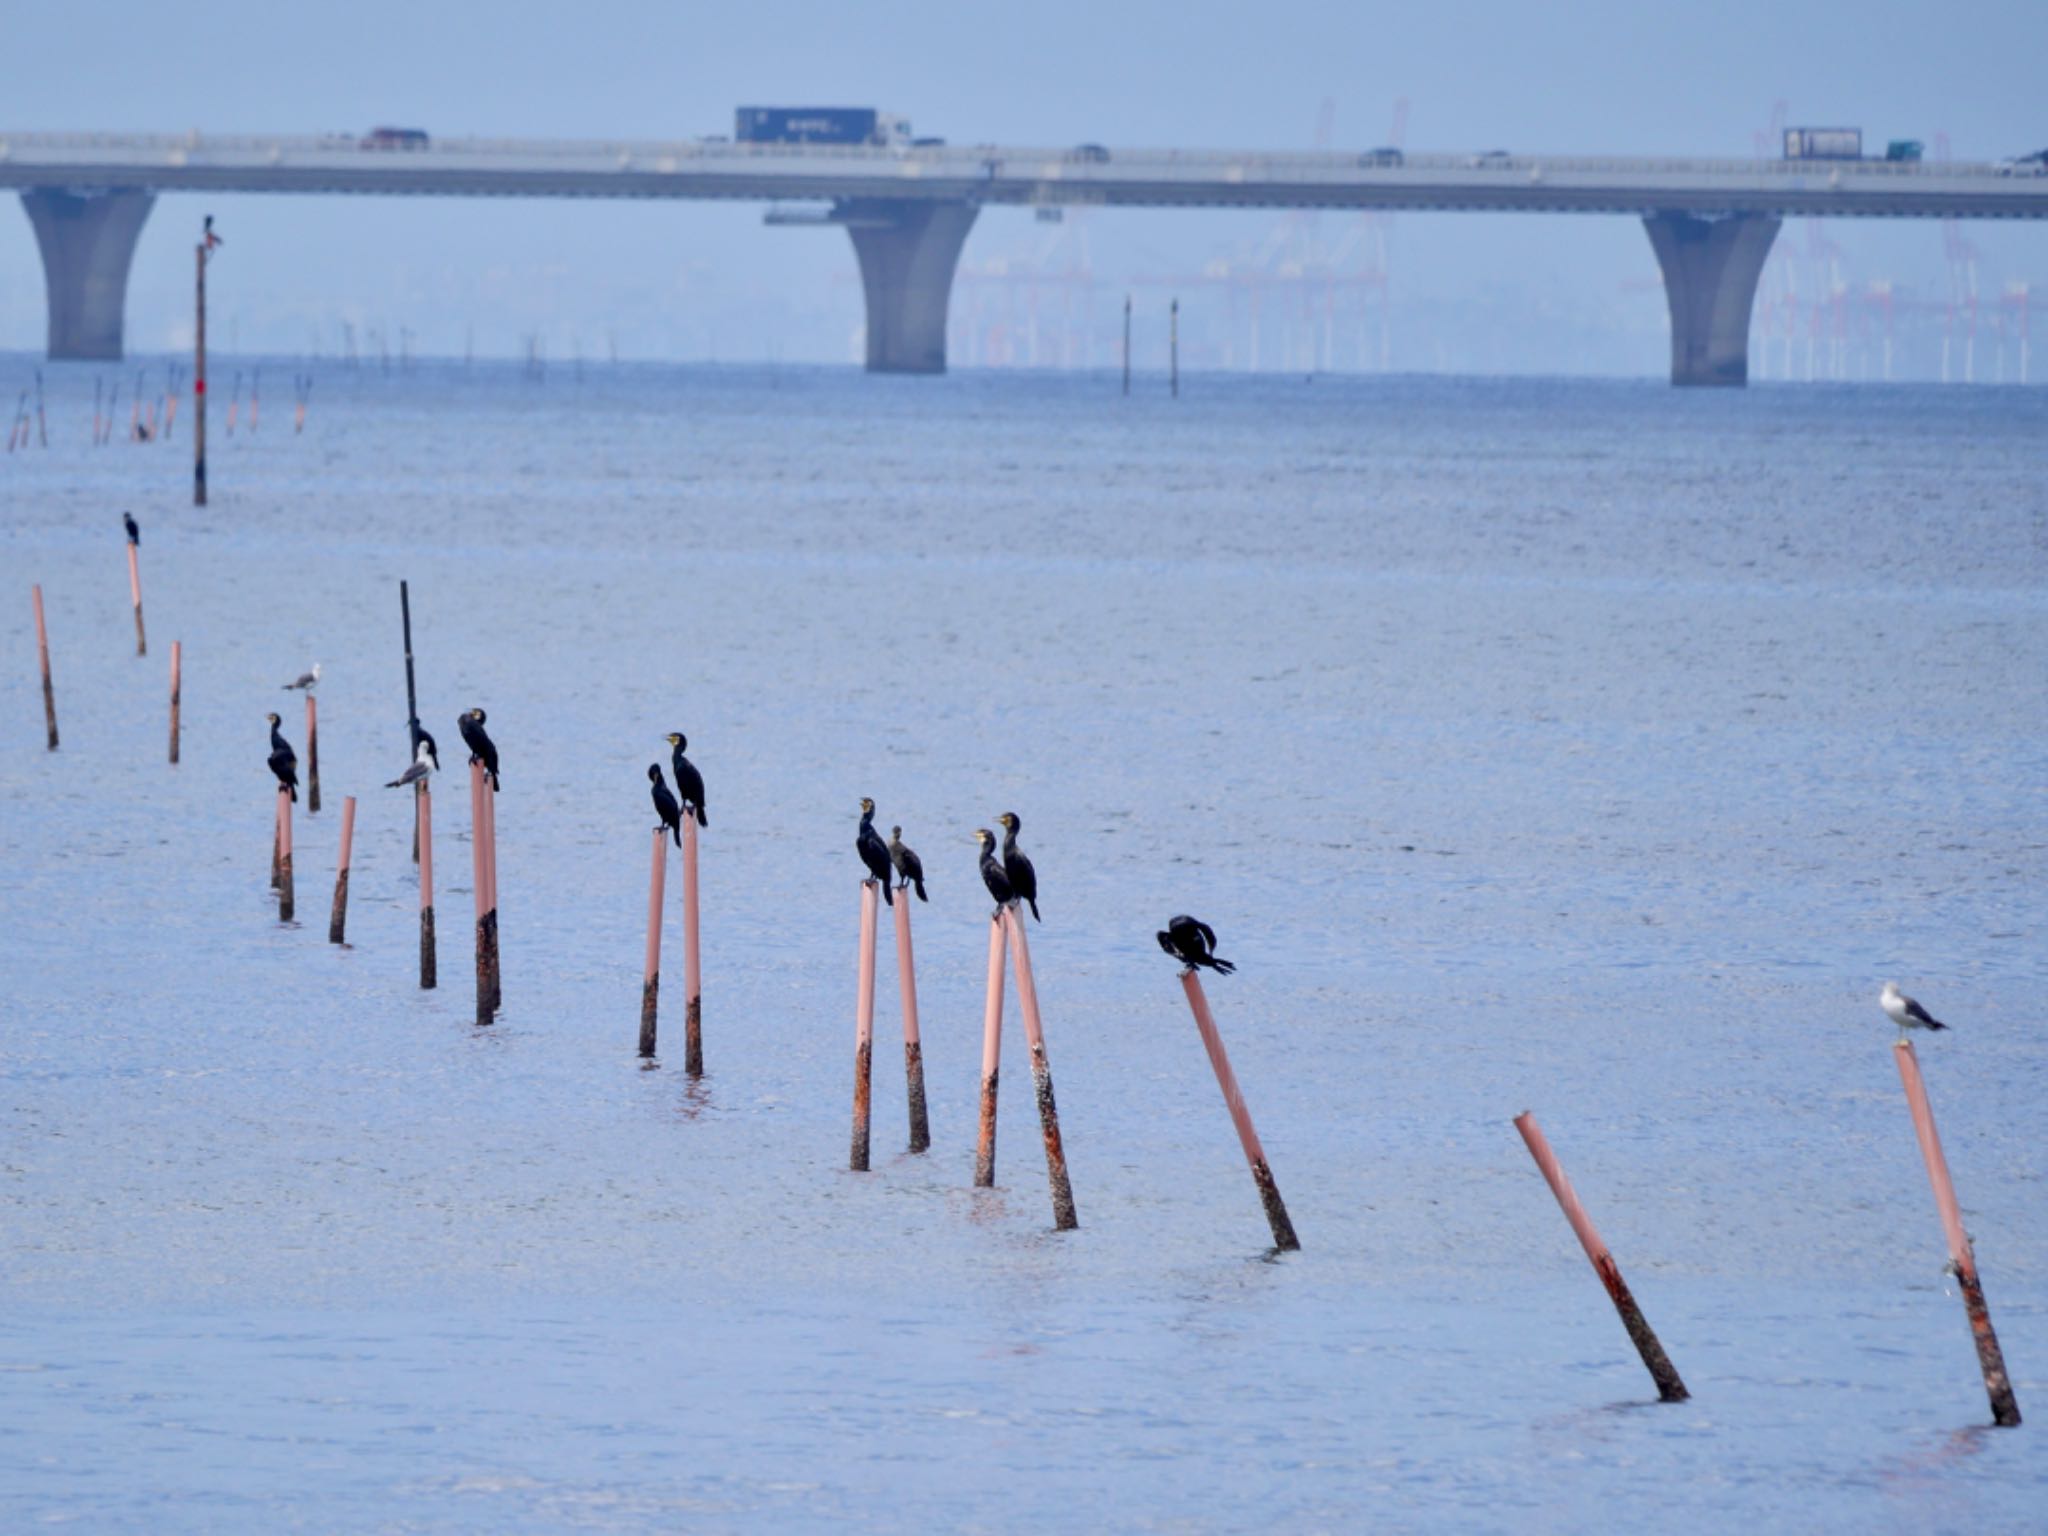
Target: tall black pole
[(1127, 343), (412, 707), (199, 386)]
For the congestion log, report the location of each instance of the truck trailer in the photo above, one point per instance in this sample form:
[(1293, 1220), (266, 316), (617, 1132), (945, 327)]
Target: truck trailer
[(818, 125), (1823, 143)]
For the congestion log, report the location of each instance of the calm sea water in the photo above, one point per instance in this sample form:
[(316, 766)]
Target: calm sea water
[(1590, 748)]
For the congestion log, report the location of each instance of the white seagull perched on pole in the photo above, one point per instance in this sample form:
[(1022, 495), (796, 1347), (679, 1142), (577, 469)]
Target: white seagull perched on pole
[(306, 679), (1904, 1012), (427, 762)]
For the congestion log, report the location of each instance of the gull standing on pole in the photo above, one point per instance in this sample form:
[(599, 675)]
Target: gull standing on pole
[(1904, 1012), (427, 762), (306, 680)]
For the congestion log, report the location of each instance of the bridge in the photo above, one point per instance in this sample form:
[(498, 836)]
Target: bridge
[(908, 209)]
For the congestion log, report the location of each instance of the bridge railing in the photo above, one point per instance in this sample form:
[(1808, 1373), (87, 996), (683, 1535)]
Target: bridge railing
[(1071, 163)]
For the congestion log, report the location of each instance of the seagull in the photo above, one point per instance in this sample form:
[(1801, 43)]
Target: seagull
[(306, 680), (427, 762), (1904, 1012), (134, 533), (1193, 942)]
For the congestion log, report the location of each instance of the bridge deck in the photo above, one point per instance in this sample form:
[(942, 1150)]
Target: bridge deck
[(1002, 174)]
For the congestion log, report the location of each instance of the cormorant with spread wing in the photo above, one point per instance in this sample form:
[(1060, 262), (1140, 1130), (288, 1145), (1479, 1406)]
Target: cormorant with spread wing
[(1192, 942)]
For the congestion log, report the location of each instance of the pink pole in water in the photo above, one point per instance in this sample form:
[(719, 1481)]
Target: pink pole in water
[(991, 1059), (2005, 1408), (285, 902), (177, 689), (693, 978), (490, 804), (1669, 1387), (650, 989), (135, 596), (337, 920), (1248, 1137), (913, 1049), (423, 807), (43, 651), (1063, 1217), (480, 887), (864, 1025), (312, 755)]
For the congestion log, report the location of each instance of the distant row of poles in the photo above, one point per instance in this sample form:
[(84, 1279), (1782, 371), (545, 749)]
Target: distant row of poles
[(152, 417), (1006, 934), (1172, 347)]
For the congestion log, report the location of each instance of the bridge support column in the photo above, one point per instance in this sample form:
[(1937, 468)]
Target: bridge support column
[(1711, 267), (87, 240), (907, 250)]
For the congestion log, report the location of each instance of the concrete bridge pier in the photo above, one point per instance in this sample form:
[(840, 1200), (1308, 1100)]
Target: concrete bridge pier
[(1711, 267), (88, 240), (908, 249)]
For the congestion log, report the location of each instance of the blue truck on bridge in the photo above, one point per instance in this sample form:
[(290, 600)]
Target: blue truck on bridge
[(818, 125)]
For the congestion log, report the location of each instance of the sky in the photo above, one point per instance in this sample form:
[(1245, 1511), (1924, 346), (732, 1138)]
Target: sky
[(1465, 293)]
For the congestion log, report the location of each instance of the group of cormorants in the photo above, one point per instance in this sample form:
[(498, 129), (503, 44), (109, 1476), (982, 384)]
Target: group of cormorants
[(689, 782), (284, 762)]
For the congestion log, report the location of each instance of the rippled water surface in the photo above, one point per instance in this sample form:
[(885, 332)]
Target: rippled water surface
[(1591, 748)]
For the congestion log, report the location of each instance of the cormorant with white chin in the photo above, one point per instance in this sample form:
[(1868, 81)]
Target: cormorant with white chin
[(284, 762), (992, 875), (1192, 942), (1023, 878), (481, 748), (872, 850), (909, 867), (665, 805), (689, 782)]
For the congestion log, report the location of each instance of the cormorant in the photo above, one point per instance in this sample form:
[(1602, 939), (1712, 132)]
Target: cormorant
[(424, 762), (1904, 1012), (481, 748), (1192, 942), (284, 762), (992, 874), (665, 805), (1023, 878), (689, 782), (872, 850), (306, 679), (134, 533), (909, 867)]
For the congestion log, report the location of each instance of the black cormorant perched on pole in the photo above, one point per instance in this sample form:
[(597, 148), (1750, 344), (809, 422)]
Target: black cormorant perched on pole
[(872, 850), (424, 763), (992, 874), (134, 533), (909, 867), (1192, 942), (665, 805), (284, 762), (481, 748), (1023, 878), (689, 782)]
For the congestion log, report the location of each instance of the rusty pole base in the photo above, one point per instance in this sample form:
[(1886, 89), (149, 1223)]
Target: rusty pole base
[(985, 1146), (427, 978), (913, 1073), (863, 1068), (337, 919), (650, 994), (693, 1037), (286, 906), (491, 960), (1669, 1388), (2005, 1408), (1284, 1239), (1063, 1217)]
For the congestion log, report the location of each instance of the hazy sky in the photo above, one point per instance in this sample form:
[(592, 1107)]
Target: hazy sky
[(681, 279)]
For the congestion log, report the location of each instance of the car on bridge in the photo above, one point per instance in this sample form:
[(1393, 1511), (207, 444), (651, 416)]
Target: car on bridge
[(1386, 155), (1491, 160), (1088, 154), (395, 138), (2035, 164)]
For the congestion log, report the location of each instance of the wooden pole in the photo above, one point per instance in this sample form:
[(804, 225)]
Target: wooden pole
[(913, 1049), (1173, 353), (337, 920), (1127, 343), (490, 804), (312, 755), (199, 386), (423, 806), (1248, 1137), (286, 905), (1669, 1387), (864, 1024), (135, 595), (480, 886), (2005, 1408), (43, 652), (693, 976), (650, 989), (177, 689), (1063, 1217), (991, 1059)]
